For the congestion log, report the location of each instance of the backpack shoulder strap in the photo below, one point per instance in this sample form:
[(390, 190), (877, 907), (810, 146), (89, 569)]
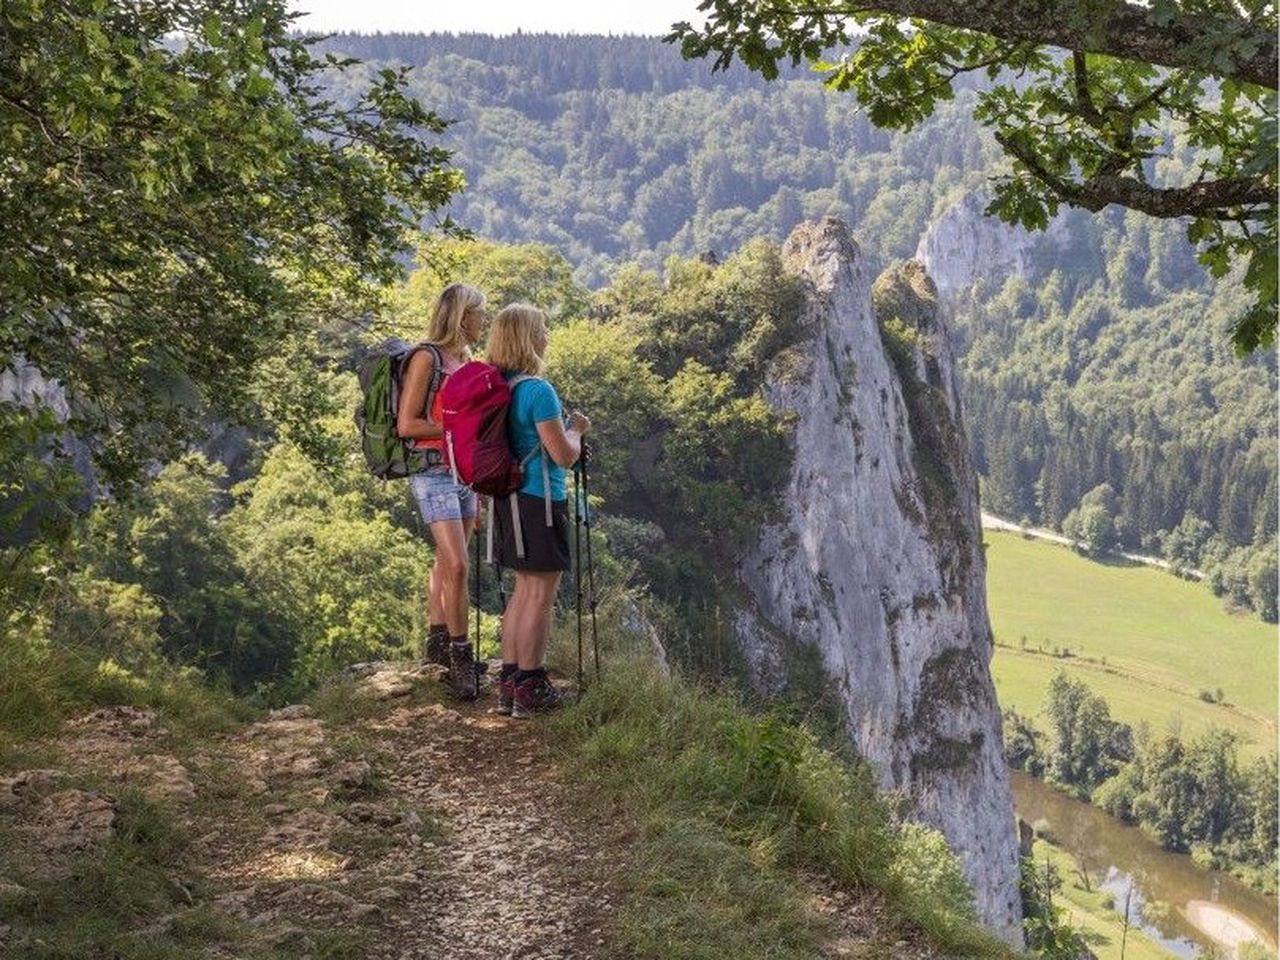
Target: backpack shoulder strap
[(437, 370), (537, 451)]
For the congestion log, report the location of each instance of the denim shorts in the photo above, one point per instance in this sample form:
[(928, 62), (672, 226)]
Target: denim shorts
[(439, 498)]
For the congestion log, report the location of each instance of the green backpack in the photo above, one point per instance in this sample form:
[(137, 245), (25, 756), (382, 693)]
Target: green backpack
[(381, 374)]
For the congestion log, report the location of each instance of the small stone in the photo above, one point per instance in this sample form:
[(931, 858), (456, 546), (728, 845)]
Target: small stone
[(442, 712), (73, 820), (28, 783), (294, 711), (365, 911), (354, 774), (166, 778), (386, 686)]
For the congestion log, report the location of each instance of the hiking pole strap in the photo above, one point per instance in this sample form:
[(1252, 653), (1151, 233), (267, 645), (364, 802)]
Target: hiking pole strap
[(515, 525), (453, 461), (546, 489), (488, 532)]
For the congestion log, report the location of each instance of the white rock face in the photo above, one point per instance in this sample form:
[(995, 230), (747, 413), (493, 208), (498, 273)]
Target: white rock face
[(964, 245), (875, 564), (24, 385)]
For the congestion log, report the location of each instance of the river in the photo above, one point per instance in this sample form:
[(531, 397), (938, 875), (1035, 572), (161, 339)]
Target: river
[(1116, 855)]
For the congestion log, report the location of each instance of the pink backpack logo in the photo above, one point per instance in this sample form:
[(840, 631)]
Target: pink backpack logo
[(474, 403)]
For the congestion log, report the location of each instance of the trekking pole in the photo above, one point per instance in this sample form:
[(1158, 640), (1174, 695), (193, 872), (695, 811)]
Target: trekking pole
[(591, 567), (577, 563), (476, 596)]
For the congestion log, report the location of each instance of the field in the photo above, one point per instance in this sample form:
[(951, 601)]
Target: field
[(1145, 640)]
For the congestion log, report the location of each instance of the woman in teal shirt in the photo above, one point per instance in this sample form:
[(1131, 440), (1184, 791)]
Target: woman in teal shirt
[(538, 430)]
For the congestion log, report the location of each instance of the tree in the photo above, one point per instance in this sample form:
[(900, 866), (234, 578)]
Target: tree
[(1086, 745), (179, 199), (1086, 96), (169, 542), (1260, 783), (504, 273), (597, 368), (1164, 806)]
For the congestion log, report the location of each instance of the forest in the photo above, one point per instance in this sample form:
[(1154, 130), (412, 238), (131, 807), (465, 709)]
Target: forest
[(1099, 382)]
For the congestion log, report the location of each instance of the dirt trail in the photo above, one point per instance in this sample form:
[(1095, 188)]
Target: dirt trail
[(447, 835)]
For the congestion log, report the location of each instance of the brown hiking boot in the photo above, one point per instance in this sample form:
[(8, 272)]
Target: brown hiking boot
[(437, 651), (535, 695), (464, 676)]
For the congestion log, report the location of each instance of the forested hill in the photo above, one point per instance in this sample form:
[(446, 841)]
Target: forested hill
[(1099, 383), (558, 63)]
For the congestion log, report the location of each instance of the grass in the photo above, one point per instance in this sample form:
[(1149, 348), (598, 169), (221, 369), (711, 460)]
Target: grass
[(1164, 639), (1021, 679), (727, 805), (94, 909), (41, 686)]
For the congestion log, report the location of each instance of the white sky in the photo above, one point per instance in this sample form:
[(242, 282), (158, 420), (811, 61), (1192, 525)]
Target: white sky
[(652, 17)]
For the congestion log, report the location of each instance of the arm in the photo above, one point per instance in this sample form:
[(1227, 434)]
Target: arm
[(563, 446), (411, 420)]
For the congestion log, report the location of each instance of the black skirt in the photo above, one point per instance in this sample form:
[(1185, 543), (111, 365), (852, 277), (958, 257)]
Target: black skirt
[(546, 548)]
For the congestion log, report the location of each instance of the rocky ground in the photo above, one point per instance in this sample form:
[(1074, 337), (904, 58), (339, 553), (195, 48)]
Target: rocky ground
[(382, 822)]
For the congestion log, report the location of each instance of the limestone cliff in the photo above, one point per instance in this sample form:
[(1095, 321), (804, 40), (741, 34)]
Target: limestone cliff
[(964, 245), (875, 563)]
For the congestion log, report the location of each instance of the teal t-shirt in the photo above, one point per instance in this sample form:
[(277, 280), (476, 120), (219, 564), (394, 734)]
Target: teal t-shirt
[(533, 402)]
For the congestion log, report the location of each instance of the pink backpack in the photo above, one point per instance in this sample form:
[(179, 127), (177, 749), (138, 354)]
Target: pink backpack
[(474, 403)]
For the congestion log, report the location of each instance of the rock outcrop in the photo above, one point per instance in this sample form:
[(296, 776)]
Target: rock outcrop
[(875, 566), (965, 245)]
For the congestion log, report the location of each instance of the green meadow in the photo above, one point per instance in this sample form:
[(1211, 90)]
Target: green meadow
[(1145, 640)]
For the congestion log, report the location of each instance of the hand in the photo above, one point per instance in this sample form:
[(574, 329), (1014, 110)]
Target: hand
[(578, 421)]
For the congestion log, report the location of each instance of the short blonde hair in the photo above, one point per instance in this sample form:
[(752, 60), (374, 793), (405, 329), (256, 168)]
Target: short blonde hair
[(445, 330), (511, 339)]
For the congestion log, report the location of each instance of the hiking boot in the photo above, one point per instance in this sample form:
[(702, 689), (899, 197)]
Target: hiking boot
[(464, 676), (535, 695), (506, 695), (438, 649)]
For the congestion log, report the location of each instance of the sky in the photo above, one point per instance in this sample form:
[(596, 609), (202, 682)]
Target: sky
[(653, 17)]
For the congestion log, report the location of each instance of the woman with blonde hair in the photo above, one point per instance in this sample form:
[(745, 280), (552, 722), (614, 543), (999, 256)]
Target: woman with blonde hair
[(537, 429), (447, 507)]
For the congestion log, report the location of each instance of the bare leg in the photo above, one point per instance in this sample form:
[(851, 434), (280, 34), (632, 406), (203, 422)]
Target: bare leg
[(435, 595), (510, 620), (450, 573), (534, 596)]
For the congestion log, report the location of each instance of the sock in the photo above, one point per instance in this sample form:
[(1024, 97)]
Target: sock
[(523, 675), (438, 630), (507, 670), (460, 640)]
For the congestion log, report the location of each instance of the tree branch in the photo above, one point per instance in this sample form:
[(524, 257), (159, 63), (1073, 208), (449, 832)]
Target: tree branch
[(1124, 30), (1198, 199)]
